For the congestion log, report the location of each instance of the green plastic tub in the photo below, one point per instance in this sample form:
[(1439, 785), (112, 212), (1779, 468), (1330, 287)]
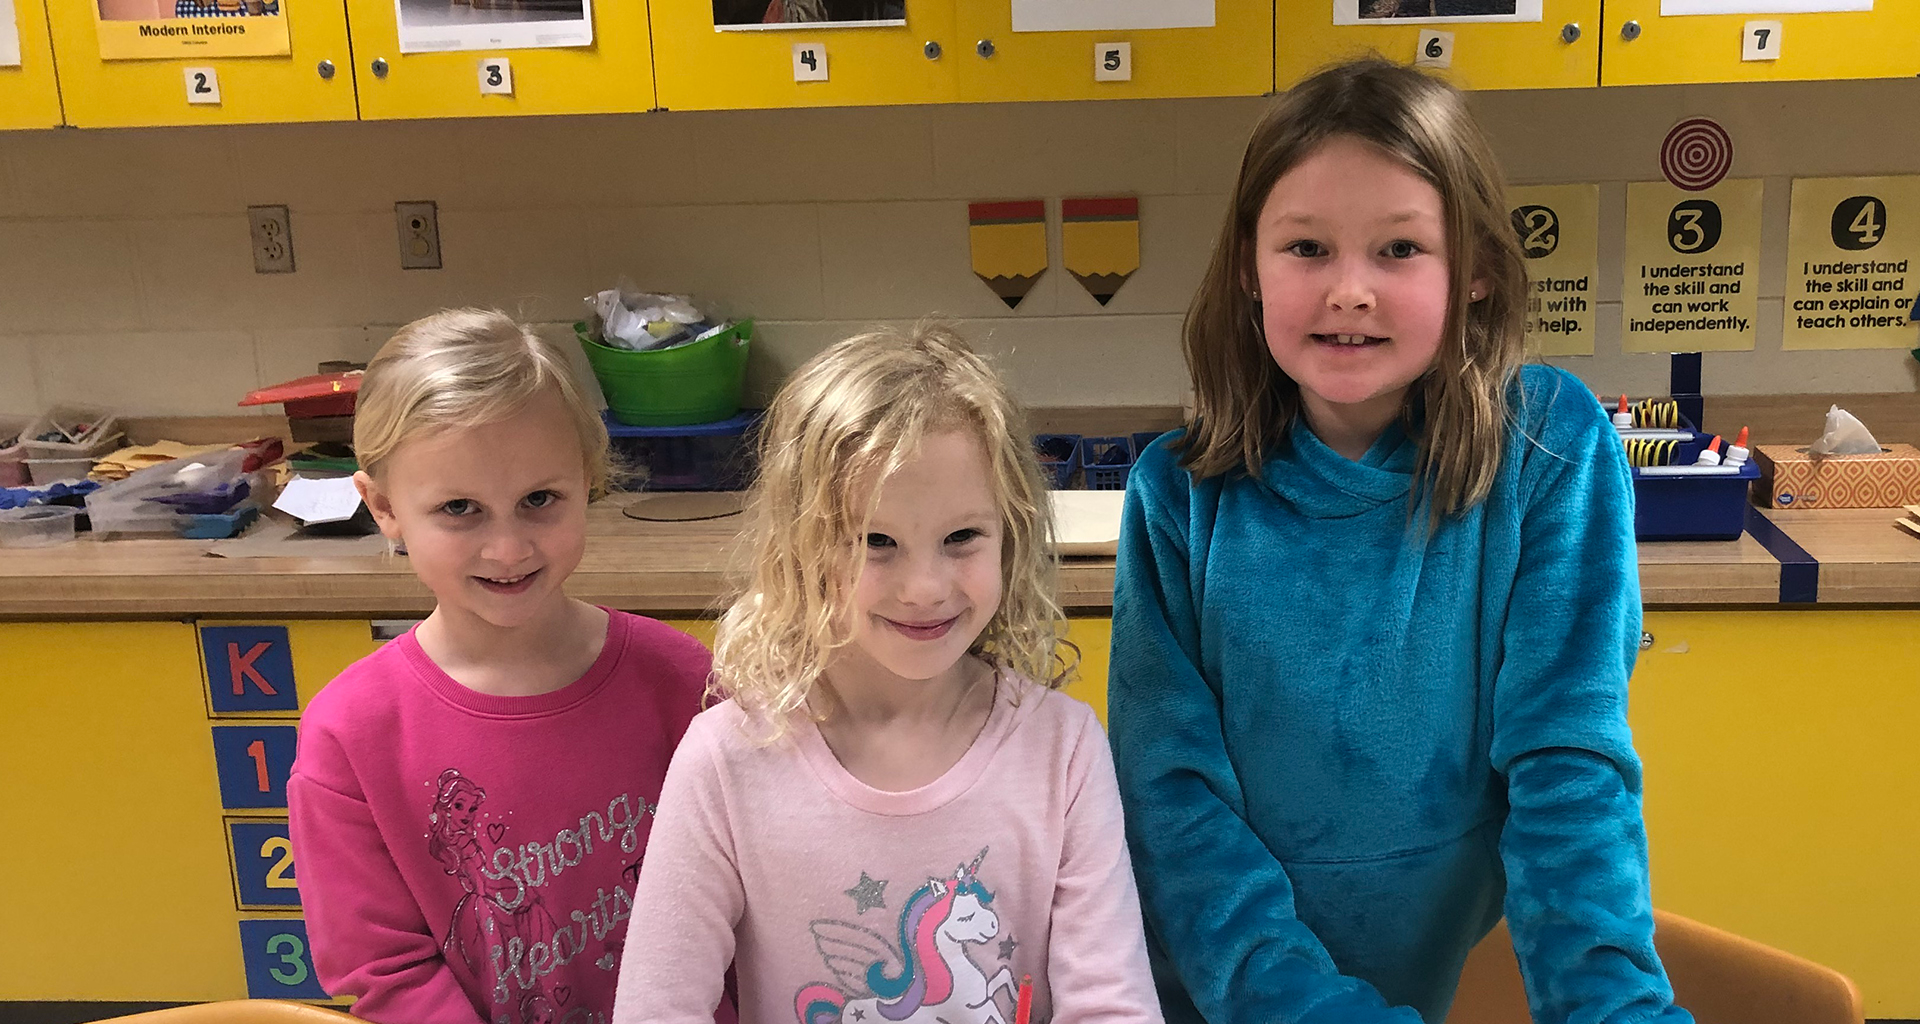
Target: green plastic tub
[(697, 383)]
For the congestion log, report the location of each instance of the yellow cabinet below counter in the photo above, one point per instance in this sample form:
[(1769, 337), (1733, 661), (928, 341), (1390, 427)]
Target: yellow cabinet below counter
[(314, 82), (29, 94), (614, 75), (1645, 48)]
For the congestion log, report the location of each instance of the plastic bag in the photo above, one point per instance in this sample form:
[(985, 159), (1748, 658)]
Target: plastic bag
[(632, 319), (1845, 435)]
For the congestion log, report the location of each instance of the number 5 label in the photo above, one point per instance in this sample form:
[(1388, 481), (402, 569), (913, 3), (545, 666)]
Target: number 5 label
[(809, 62), (1760, 40), (278, 960), (262, 865)]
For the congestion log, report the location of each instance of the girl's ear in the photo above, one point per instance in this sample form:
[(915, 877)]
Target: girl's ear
[(379, 503), (1249, 273), (1477, 289)]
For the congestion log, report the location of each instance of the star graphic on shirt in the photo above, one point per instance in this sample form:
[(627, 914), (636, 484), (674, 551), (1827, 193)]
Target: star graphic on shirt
[(1007, 946), (859, 1014), (869, 894)]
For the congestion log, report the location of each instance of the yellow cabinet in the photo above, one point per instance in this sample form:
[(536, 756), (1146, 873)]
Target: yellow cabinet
[(1233, 58), (700, 68), (29, 98), (1644, 48), (1561, 51), (614, 75), (1781, 785), (313, 83)]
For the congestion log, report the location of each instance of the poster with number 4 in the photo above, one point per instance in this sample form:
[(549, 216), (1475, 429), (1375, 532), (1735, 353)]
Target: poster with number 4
[(1853, 263), (9, 36)]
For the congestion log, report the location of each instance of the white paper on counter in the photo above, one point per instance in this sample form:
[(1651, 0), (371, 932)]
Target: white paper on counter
[(1669, 8), (322, 500), (9, 36), (1099, 15), (1087, 522)]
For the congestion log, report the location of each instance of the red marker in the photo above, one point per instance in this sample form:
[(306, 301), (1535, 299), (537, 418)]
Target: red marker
[(1023, 1009)]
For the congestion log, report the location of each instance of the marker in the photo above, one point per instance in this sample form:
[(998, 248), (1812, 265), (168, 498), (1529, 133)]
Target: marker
[(1710, 456), (1737, 453), (1623, 417), (1694, 470), (1023, 1006)]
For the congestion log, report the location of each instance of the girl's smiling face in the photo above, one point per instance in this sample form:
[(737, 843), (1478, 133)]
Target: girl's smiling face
[(1350, 260)]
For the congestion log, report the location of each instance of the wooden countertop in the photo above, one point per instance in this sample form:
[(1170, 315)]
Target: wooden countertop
[(679, 568)]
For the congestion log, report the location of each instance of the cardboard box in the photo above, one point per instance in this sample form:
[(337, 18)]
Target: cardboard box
[(1791, 478)]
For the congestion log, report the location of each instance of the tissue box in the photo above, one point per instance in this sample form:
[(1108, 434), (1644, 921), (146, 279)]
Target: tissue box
[(1791, 478)]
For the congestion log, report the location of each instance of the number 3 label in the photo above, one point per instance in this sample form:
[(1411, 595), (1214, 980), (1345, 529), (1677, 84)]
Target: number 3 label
[(496, 77), (278, 960)]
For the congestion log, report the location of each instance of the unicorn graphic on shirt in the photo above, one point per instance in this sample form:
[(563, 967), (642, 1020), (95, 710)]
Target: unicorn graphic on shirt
[(929, 977)]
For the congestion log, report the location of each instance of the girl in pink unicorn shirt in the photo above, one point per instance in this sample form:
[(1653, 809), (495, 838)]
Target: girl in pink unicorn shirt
[(893, 817)]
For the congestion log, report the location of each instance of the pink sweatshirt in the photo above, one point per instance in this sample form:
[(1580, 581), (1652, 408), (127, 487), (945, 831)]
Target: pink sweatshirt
[(839, 902), (471, 858)]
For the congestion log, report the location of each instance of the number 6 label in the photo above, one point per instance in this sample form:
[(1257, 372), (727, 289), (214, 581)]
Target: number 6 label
[(1435, 50), (278, 960)]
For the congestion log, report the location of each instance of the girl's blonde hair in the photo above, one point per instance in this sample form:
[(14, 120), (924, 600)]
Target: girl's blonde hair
[(462, 368), (843, 423), (1244, 403)]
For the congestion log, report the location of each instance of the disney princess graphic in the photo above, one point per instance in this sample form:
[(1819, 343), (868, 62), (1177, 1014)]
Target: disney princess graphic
[(929, 977), (497, 907)]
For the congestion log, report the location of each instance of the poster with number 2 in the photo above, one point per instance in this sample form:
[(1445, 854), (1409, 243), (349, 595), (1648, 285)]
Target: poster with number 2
[(9, 36)]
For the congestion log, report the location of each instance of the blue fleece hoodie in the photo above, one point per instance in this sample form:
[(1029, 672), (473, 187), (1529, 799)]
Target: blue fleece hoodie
[(1343, 743)]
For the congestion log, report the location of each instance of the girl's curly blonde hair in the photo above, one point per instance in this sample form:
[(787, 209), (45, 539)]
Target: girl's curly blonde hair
[(843, 423)]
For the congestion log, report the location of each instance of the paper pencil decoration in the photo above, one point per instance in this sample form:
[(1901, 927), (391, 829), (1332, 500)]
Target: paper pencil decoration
[(1100, 242), (1009, 245)]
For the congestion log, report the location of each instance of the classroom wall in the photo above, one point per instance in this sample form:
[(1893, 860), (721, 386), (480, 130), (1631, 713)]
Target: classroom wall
[(125, 275)]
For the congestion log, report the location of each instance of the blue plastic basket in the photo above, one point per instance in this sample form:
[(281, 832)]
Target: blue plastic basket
[(1059, 456), (717, 456), (1105, 462), (1692, 507)]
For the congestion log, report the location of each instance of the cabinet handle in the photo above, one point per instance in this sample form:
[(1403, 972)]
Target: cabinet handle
[(932, 50), (984, 47), (326, 70), (1630, 31), (1570, 32), (379, 67)]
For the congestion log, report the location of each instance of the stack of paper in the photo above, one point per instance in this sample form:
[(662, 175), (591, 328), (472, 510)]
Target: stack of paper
[(1911, 523)]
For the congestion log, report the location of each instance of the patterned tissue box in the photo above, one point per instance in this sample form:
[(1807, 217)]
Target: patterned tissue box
[(1792, 478)]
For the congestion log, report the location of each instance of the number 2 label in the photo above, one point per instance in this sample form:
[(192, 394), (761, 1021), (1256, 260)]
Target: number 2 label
[(263, 864), (203, 85)]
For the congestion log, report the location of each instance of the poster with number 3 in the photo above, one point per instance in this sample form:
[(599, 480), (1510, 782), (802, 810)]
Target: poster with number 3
[(9, 36)]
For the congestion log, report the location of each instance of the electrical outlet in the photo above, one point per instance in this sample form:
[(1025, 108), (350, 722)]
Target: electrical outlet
[(419, 235), (272, 232)]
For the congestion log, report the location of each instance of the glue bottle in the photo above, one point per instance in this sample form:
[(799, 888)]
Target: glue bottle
[(1623, 417), (1710, 456), (1737, 452)]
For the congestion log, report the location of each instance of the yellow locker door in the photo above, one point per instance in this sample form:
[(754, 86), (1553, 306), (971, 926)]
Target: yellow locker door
[(614, 75), (1560, 51), (313, 83), (697, 67), (1645, 48), (29, 97), (1232, 58), (1781, 784)]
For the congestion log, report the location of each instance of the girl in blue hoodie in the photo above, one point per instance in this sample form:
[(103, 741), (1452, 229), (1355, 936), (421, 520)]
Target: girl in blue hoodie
[(1377, 605)]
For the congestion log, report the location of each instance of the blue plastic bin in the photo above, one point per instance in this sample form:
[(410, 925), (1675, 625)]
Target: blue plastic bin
[(717, 456), (1059, 456), (1143, 438), (1105, 462), (1692, 507)]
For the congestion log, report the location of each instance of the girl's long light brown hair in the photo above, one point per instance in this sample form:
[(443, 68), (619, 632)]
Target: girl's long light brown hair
[(1244, 404), (847, 419)]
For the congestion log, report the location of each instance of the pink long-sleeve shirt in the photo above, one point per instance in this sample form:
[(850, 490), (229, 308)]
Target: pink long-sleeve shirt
[(839, 902), (471, 858)]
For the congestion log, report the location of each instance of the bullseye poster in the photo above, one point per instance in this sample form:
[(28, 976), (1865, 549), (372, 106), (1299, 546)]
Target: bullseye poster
[(9, 36), (148, 29)]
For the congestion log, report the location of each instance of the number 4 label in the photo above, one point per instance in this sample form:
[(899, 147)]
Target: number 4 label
[(203, 85), (1760, 40), (809, 62), (496, 77), (1436, 49)]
